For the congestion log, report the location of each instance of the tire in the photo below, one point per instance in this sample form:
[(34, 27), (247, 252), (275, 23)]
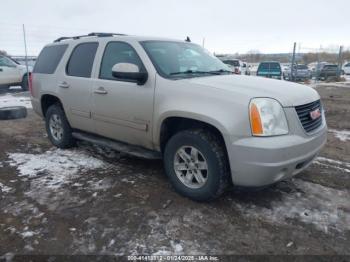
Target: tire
[(13, 112), (24, 85), (58, 128), (211, 150)]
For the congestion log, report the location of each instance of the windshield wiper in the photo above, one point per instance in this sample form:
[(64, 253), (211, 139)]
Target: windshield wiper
[(192, 72), (220, 71)]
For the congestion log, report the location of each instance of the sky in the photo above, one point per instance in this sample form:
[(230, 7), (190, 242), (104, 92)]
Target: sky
[(226, 26)]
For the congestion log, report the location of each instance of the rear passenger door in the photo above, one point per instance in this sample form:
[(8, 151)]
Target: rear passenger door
[(122, 110), (76, 86)]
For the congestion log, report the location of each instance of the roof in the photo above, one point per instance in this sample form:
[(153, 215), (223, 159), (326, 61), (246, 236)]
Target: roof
[(113, 36)]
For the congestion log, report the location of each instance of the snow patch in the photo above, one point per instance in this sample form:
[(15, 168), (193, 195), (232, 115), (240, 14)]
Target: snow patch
[(325, 208), (342, 135), (12, 100), (51, 171), (61, 163), (28, 234), (331, 163), (4, 189)]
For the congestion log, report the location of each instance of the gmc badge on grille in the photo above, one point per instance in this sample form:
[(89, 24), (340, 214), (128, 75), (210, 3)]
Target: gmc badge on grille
[(315, 114)]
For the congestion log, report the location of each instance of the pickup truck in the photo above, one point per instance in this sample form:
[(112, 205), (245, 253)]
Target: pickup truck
[(12, 73)]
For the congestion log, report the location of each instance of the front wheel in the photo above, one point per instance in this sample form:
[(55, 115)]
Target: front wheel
[(196, 163), (58, 128)]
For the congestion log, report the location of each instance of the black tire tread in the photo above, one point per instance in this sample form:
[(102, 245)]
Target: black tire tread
[(13, 112), (68, 140), (219, 150)]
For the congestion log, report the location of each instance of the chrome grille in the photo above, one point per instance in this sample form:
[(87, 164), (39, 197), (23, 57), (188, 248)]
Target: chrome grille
[(304, 115)]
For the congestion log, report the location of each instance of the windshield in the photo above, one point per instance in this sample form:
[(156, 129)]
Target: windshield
[(231, 62), (180, 60), (330, 66), (302, 67), (275, 66)]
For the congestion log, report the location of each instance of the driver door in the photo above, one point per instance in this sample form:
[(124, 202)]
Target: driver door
[(122, 109)]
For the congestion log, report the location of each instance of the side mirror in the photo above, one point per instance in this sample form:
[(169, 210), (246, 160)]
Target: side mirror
[(129, 72)]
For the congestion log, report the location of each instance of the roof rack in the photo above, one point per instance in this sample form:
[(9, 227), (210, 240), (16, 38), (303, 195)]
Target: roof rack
[(97, 34)]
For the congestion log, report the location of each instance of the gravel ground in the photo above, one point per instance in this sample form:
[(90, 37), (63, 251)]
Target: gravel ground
[(92, 200)]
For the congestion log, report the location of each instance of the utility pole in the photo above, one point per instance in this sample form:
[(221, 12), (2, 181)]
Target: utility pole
[(339, 61), (26, 54), (203, 42), (293, 62)]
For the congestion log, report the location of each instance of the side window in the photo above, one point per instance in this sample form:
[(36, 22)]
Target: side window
[(81, 60), (118, 52), (49, 59), (4, 61)]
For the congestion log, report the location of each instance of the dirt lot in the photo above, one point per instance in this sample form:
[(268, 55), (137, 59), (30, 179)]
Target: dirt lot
[(91, 200)]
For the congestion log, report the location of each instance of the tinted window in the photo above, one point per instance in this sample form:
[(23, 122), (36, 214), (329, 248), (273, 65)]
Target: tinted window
[(275, 66), (347, 65), (231, 62), (263, 66), (82, 59), (330, 66), (49, 59), (118, 52), (302, 67)]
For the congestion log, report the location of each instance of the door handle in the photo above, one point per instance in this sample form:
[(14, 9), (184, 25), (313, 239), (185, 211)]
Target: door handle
[(64, 85), (101, 91)]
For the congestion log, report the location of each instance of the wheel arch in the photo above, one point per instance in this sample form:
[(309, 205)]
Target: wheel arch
[(170, 124), (48, 100)]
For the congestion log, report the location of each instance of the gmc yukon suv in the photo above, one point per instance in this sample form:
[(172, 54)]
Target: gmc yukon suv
[(161, 98)]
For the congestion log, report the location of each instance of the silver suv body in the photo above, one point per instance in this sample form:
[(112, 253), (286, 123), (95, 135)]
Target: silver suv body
[(172, 99)]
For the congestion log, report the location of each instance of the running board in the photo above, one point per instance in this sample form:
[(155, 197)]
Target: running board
[(118, 146)]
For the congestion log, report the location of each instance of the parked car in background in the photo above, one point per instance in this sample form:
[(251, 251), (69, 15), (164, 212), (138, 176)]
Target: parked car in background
[(170, 99), (270, 70), (346, 69), (12, 73), (297, 73), (328, 70), (245, 69), (238, 67), (234, 64), (316, 68)]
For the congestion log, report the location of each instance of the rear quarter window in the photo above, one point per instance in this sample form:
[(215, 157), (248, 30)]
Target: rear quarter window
[(82, 59), (49, 59)]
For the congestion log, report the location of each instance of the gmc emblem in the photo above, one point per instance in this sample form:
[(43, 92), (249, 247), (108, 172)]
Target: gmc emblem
[(315, 114)]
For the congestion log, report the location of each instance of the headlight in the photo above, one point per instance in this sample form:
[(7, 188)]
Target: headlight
[(267, 117)]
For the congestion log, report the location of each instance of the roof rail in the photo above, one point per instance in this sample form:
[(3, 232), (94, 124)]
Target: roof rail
[(97, 34)]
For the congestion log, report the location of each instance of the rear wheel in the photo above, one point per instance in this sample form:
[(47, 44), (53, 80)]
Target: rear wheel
[(196, 164), (58, 128)]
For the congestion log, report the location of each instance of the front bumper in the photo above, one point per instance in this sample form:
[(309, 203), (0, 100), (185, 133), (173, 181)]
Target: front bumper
[(260, 161)]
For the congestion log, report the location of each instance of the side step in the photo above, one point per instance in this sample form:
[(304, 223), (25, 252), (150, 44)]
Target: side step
[(118, 146)]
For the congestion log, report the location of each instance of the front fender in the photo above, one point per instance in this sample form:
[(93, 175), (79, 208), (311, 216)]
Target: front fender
[(187, 115)]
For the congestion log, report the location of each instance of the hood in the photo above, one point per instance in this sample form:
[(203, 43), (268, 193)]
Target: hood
[(287, 93), (24, 68)]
